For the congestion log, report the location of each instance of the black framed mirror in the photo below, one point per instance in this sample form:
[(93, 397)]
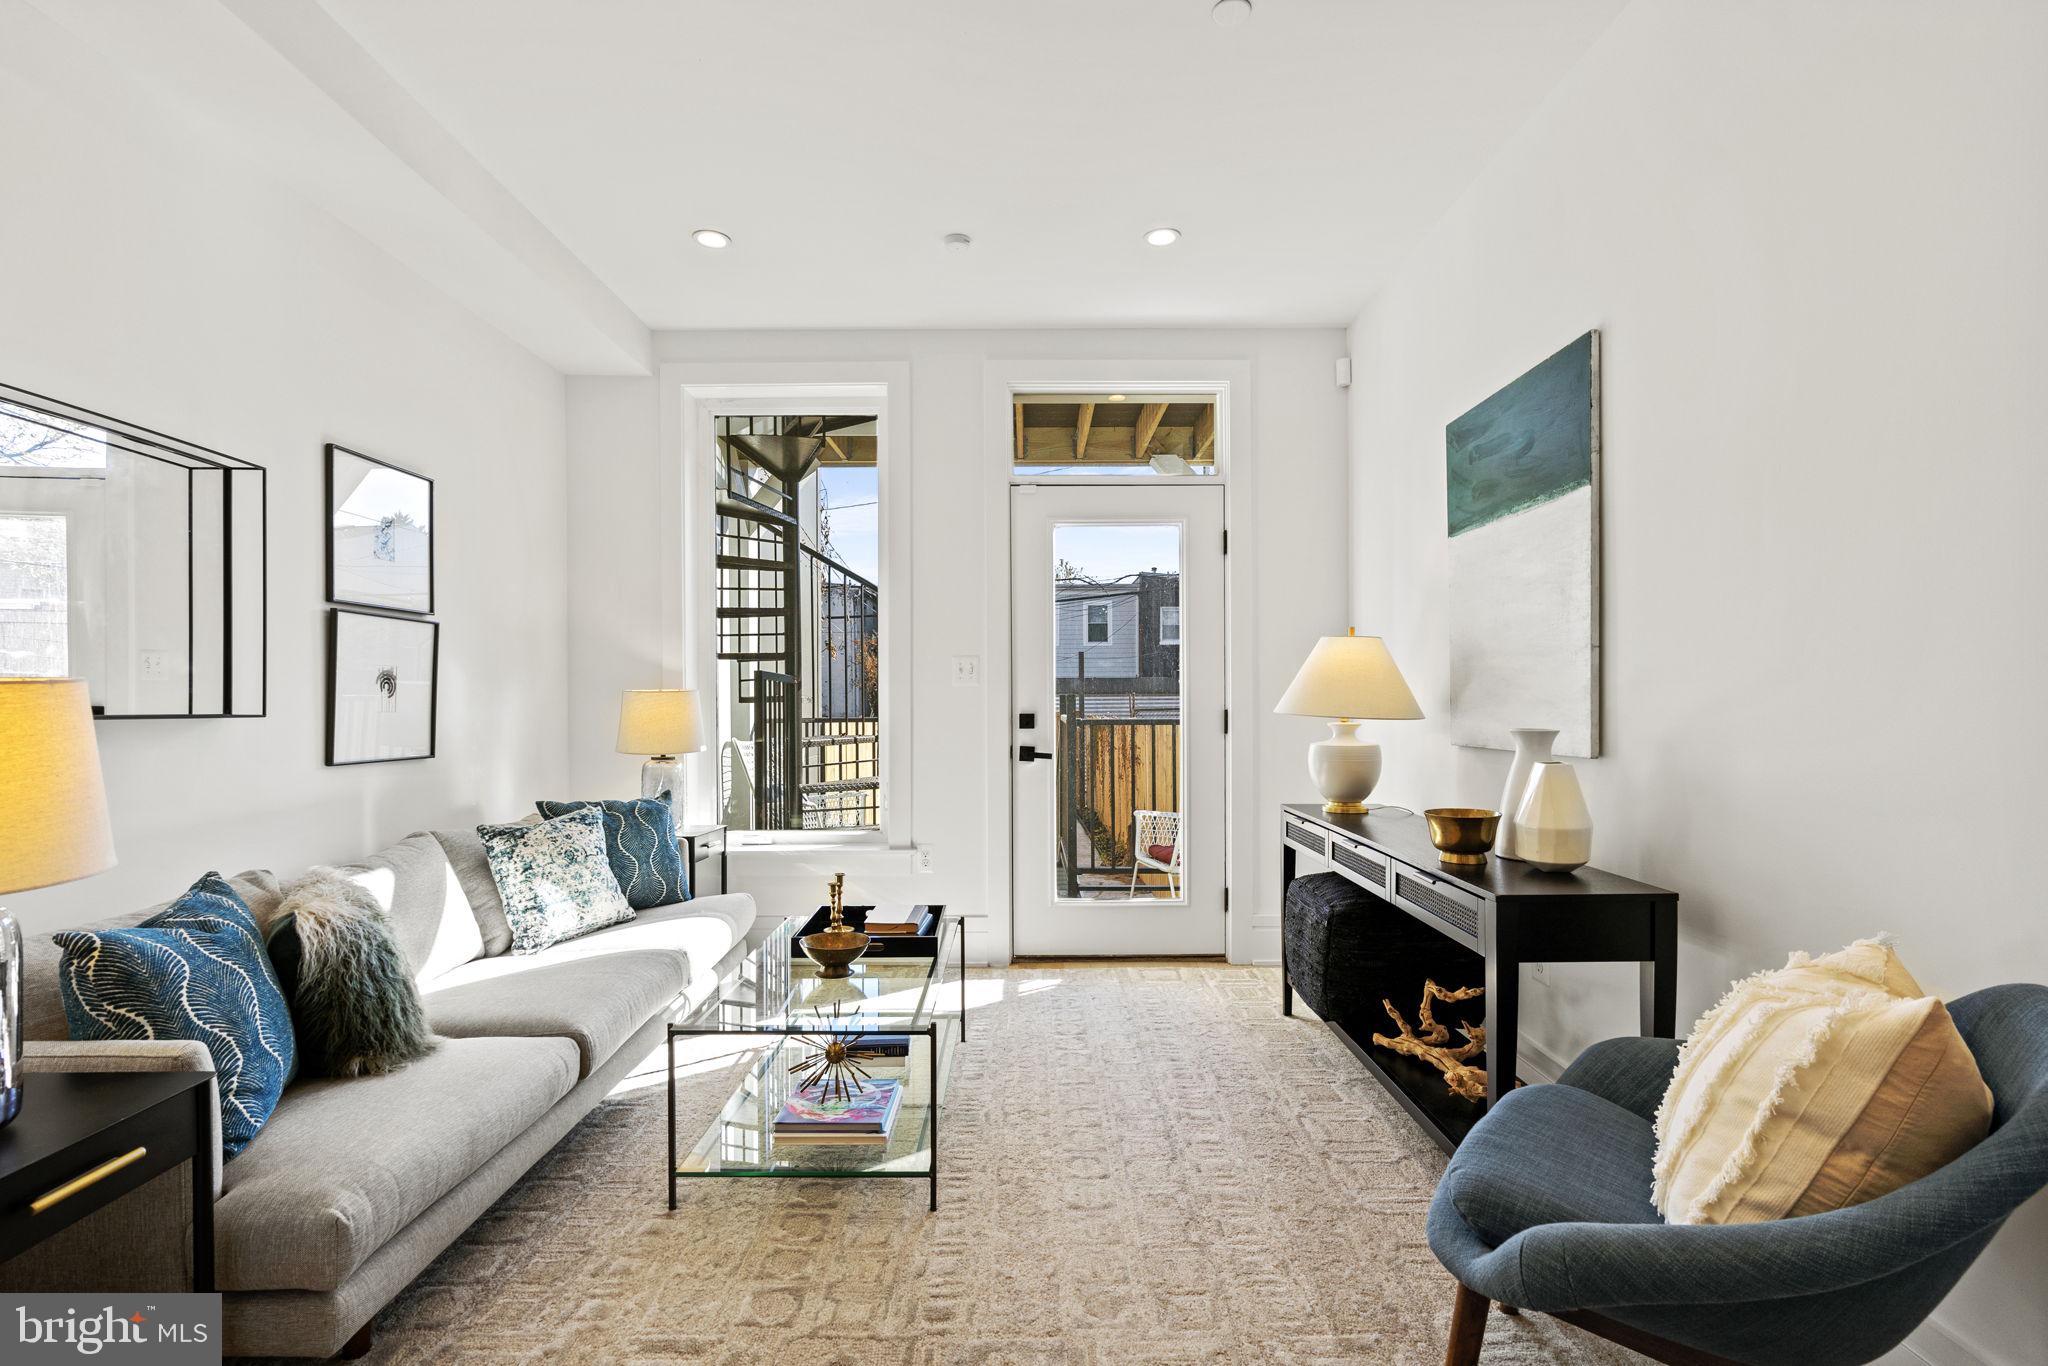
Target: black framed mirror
[(132, 559)]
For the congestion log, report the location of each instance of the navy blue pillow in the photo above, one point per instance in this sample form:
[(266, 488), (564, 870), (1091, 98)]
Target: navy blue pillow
[(196, 970), (640, 840)]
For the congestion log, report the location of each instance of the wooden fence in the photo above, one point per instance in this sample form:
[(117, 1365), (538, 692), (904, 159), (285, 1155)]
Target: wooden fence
[(1109, 768)]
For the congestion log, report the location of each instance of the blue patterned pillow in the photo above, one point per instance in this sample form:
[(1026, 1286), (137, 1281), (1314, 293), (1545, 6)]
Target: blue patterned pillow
[(196, 970), (640, 841), (554, 878)]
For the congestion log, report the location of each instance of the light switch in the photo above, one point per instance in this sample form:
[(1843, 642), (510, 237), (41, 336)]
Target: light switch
[(966, 671)]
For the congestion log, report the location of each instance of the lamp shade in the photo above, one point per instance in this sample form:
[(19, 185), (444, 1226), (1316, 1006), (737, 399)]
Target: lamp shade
[(1351, 677), (56, 827), (660, 721)]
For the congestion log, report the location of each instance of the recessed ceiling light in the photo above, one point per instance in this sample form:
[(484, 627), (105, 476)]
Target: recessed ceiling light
[(1230, 13), (1163, 237), (710, 237), (958, 241)]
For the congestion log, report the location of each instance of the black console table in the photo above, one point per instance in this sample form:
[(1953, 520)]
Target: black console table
[(1505, 913)]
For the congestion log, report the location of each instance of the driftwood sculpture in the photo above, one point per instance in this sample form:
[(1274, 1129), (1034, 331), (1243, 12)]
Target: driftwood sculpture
[(1429, 1045)]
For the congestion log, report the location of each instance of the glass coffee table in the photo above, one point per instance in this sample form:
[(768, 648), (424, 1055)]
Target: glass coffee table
[(773, 994)]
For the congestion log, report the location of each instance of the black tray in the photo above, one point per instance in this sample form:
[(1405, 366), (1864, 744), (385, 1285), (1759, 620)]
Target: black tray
[(925, 945)]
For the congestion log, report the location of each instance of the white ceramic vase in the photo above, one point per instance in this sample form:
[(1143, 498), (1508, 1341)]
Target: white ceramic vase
[(1532, 746), (1553, 828)]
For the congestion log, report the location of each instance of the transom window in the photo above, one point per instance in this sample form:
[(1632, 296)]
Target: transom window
[(1117, 435)]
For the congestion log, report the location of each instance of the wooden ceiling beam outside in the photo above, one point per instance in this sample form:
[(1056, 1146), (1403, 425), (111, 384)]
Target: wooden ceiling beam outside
[(1149, 418), (1205, 432), (1084, 418), (1018, 409), (1106, 445)]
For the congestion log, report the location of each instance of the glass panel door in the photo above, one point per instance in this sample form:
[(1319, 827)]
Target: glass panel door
[(1117, 682), (1117, 685)]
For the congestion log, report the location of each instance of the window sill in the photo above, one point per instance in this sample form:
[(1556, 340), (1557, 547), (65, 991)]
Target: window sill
[(810, 842), (867, 858)]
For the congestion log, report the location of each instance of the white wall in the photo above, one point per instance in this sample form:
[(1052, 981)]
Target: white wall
[(1296, 550), (149, 280), (1812, 237)]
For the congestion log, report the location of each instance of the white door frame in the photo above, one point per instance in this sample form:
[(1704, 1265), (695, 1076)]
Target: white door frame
[(1193, 922), (1231, 382)]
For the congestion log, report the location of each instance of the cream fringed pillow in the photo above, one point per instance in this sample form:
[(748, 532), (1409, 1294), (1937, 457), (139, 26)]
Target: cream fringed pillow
[(1826, 1083)]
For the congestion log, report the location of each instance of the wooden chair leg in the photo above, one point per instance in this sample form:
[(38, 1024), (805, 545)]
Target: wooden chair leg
[(1468, 1327)]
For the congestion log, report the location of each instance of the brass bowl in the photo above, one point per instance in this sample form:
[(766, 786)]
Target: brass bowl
[(1462, 834), (834, 951)]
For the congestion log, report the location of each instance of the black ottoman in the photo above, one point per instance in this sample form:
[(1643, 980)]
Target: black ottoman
[(1344, 949)]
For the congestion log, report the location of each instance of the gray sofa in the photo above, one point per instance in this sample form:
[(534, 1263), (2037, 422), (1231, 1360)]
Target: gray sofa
[(354, 1186)]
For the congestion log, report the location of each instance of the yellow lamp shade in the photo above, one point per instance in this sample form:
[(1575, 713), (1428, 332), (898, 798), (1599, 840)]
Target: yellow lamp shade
[(660, 721), (1352, 677), (56, 827)]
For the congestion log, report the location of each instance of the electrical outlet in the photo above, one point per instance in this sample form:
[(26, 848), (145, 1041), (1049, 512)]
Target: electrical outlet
[(924, 858), (966, 670), (156, 666)]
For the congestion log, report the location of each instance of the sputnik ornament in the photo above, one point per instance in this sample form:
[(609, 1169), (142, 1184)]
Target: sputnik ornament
[(832, 1063)]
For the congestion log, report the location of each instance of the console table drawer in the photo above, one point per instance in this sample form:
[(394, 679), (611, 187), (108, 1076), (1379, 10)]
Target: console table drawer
[(1365, 866), (1311, 847), (1452, 909)]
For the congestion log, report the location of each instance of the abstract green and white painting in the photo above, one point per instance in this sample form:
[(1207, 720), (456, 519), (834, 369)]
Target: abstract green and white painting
[(1522, 483)]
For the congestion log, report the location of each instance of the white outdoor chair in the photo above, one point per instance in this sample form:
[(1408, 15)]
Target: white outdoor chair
[(1156, 829)]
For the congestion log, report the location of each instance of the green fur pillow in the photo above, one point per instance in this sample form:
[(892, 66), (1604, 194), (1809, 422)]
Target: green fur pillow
[(354, 1005)]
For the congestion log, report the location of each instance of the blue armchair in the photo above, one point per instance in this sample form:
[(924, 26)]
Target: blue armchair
[(1546, 1206)]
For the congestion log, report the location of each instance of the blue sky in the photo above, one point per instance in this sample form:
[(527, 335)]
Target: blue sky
[(1101, 552), (1111, 552), (852, 495)]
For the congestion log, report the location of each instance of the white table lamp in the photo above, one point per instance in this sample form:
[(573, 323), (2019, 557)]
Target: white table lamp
[(661, 723), (56, 828), (1349, 679)]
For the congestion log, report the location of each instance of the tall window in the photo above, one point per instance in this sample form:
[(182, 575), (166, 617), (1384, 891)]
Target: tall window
[(1169, 626), (35, 602), (1098, 622), (799, 661)]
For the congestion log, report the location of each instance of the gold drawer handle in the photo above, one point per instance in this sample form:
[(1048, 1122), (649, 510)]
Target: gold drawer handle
[(79, 1183)]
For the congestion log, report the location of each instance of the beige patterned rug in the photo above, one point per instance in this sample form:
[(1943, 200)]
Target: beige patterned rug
[(1139, 1163)]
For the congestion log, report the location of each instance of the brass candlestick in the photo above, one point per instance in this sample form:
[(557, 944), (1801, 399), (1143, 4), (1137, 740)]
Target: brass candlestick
[(835, 947)]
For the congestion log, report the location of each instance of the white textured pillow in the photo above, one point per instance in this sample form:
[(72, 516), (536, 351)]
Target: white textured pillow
[(555, 878), (1823, 1084)]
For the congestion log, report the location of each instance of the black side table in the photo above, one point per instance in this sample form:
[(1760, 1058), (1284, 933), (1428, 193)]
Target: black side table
[(700, 842), (85, 1139)]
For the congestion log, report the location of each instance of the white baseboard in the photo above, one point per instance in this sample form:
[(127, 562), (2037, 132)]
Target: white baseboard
[(1932, 1345), (1533, 1063)]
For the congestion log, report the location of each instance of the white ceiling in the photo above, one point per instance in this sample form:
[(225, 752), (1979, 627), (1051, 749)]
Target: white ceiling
[(544, 161), (838, 141)]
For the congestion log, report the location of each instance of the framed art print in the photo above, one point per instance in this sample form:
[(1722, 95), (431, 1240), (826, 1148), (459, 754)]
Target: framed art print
[(1522, 486), (380, 534), (381, 684)]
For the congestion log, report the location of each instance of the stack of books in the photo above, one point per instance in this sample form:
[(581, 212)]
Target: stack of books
[(899, 920), (866, 1117)]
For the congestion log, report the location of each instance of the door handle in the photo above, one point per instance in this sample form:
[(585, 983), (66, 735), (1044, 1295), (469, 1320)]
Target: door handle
[(1026, 753)]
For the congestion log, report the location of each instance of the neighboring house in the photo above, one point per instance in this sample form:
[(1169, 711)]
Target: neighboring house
[(1124, 634)]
